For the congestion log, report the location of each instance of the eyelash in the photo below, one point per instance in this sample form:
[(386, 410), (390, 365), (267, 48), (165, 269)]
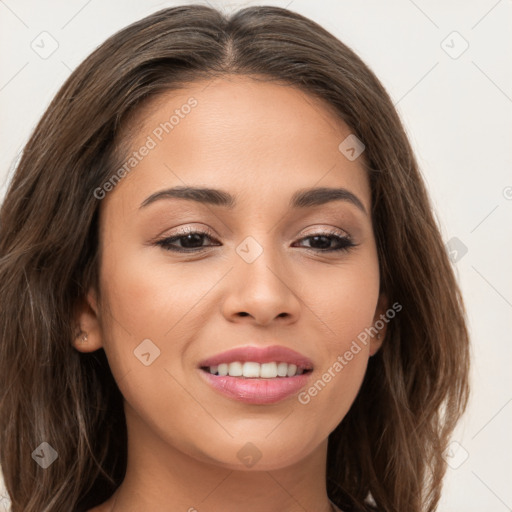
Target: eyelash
[(345, 243)]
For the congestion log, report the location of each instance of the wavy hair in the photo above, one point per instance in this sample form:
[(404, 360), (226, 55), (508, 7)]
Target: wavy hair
[(389, 447)]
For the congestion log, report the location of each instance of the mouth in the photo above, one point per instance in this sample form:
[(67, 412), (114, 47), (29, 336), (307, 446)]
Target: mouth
[(257, 375), (254, 370)]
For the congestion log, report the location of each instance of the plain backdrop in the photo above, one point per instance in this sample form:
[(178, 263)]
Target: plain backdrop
[(447, 67)]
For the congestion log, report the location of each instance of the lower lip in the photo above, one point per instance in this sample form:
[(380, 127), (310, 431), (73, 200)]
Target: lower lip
[(257, 391)]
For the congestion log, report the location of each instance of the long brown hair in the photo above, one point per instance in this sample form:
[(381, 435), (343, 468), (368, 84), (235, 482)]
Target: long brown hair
[(390, 444)]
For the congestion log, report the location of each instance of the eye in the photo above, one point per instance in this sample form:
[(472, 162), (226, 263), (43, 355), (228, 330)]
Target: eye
[(192, 241), (321, 242)]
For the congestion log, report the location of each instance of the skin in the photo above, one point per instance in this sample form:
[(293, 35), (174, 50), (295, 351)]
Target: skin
[(261, 142)]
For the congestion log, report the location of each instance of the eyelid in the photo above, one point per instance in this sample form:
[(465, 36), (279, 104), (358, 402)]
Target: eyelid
[(328, 230), (207, 231), (183, 231)]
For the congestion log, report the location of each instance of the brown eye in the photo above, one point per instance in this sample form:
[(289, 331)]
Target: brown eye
[(191, 241), (322, 242)]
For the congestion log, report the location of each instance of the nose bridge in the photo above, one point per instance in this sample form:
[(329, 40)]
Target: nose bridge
[(260, 282), (259, 261)]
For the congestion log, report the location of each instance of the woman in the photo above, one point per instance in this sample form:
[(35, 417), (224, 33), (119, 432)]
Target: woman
[(222, 284)]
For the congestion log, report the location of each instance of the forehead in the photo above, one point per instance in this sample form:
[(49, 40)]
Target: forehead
[(255, 137)]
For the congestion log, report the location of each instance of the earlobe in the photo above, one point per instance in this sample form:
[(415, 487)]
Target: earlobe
[(380, 324), (87, 334), (376, 343)]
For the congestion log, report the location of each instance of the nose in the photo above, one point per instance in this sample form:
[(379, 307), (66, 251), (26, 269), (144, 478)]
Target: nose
[(262, 291)]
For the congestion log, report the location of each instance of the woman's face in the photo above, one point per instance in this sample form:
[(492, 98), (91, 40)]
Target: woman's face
[(259, 278)]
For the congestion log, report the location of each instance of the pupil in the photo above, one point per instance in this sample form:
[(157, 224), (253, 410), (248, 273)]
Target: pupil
[(189, 240), (325, 239)]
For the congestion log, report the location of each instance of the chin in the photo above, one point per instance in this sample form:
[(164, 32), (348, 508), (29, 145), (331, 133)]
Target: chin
[(260, 454)]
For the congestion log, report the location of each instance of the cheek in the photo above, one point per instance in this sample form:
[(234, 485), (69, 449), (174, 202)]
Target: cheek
[(152, 300), (343, 298), (151, 312), (149, 318), (344, 311)]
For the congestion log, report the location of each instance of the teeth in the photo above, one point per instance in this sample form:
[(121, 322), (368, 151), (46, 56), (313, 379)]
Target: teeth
[(250, 370), (235, 369), (256, 370), (292, 369), (282, 369), (268, 370)]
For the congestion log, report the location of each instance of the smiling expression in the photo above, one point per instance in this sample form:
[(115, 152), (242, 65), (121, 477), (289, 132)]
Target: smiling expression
[(244, 226)]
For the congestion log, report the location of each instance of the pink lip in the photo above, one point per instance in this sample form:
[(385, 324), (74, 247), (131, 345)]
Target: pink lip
[(252, 390), (257, 391), (275, 353)]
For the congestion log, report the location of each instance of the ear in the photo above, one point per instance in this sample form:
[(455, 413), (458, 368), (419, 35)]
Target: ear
[(380, 322), (88, 337)]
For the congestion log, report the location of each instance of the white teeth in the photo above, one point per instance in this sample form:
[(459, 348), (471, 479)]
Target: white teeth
[(268, 370), (282, 369), (235, 369), (256, 370), (251, 370), (292, 369)]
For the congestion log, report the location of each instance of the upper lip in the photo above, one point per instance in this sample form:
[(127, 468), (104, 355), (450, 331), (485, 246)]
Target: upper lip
[(254, 354)]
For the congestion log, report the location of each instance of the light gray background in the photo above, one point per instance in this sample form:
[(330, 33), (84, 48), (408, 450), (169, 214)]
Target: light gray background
[(457, 110)]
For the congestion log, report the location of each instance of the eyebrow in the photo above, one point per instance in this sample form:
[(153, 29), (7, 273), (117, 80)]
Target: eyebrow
[(304, 198)]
